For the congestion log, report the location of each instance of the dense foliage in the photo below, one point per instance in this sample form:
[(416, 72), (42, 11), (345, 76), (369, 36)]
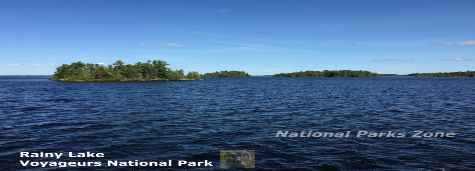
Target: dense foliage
[(445, 74), (327, 73), (120, 71), (226, 74)]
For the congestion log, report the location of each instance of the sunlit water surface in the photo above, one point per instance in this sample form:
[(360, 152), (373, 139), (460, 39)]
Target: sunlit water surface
[(193, 120)]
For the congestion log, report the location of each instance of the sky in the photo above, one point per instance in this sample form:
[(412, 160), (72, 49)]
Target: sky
[(262, 37)]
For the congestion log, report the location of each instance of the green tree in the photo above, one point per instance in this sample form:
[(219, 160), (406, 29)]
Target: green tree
[(226, 74), (176, 75), (119, 71), (160, 69), (193, 75), (328, 73), (102, 73)]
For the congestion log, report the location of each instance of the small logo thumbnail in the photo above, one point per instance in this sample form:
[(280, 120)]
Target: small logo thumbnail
[(237, 159)]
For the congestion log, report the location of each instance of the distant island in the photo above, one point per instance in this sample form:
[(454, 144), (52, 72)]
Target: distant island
[(445, 74), (328, 73), (222, 74), (120, 71), (152, 70)]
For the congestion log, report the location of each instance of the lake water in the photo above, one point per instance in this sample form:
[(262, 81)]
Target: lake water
[(194, 120)]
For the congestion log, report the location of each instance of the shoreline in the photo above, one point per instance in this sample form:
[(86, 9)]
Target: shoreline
[(118, 81), (165, 80)]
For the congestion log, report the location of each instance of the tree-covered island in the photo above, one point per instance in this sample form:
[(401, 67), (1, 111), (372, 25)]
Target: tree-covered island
[(222, 74), (120, 71), (328, 73), (445, 74)]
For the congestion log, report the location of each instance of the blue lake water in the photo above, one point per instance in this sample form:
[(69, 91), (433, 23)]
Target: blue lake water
[(194, 120)]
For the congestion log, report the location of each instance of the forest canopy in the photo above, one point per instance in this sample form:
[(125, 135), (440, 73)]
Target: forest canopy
[(226, 74), (327, 73), (120, 71), (445, 74)]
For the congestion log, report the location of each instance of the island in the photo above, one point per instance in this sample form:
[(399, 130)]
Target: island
[(445, 74), (151, 70), (328, 73), (227, 74)]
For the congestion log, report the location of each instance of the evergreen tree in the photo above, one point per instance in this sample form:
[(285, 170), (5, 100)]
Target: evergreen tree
[(328, 73), (120, 71), (193, 75)]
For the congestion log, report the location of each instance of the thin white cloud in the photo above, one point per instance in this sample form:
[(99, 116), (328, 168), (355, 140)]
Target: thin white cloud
[(460, 43), (457, 59), (24, 65), (14, 65), (174, 45), (468, 43), (392, 60)]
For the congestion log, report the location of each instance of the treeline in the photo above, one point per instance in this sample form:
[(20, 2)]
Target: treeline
[(327, 73), (120, 71), (226, 74), (445, 74)]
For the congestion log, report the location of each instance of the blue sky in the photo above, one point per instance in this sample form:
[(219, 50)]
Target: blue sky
[(261, 37)]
